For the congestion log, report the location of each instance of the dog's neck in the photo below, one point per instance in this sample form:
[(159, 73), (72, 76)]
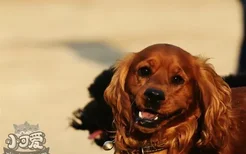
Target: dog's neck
[(165, 141), (145, 150)]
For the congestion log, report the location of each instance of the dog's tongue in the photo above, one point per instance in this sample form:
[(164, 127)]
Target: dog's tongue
[(95, 134), (148, 115)]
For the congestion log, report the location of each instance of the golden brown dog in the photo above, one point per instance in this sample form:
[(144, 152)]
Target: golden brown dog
[(166, 101)]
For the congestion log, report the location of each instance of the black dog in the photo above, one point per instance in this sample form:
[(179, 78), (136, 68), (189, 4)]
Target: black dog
[(96, 116)]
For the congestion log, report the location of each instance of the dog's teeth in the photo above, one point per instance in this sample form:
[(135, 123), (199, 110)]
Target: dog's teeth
[(140, 114), (156, 118)]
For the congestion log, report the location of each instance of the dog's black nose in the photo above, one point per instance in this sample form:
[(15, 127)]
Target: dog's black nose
[(154, 95)]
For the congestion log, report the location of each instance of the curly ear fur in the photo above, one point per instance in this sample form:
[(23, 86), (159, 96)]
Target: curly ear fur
[(116, 96), (216, 105)]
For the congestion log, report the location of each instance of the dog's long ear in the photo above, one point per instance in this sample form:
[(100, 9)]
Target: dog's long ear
[(115, 94), (215, 102)]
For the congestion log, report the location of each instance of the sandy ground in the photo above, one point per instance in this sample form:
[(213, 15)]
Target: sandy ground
[(51, 51)]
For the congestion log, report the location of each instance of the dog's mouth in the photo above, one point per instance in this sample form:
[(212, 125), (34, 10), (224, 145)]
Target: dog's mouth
[(95, 135), (101, 136), (150, 118)]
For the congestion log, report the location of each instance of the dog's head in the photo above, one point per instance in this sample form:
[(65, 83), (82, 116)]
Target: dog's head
[(162, 88)]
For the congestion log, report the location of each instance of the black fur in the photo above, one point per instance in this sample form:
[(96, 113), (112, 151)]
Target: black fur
[(96, 115), (238, 80), (242, 56)]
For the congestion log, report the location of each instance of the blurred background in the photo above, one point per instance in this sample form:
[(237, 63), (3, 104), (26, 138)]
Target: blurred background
[(50, 52)]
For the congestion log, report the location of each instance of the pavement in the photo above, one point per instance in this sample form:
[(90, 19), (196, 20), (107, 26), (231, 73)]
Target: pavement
[(50, 52)]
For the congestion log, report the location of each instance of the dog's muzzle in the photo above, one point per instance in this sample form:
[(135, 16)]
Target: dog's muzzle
[(153, 97)]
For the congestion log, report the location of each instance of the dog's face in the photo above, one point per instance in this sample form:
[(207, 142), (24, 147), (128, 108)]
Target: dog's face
[(165, 88), (160, 85)]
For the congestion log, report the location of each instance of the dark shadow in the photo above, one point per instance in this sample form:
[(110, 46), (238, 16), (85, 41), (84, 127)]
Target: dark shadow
[(95, 51)]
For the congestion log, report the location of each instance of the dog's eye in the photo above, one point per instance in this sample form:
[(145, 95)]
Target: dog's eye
[(177, 79), (144, 71)]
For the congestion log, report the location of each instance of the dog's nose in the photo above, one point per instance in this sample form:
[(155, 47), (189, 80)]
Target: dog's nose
[(154, 95)]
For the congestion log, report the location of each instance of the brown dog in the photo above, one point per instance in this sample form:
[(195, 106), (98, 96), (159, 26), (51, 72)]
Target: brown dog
[(166, 101)]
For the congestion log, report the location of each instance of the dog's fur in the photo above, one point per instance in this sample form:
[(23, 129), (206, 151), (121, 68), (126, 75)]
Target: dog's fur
[(92, 117), (196, 110), (96, 121), (96, 116)]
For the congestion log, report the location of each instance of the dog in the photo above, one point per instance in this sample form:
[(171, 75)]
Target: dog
[(96, 116), (91, 117), (166, 101), (88, 119)]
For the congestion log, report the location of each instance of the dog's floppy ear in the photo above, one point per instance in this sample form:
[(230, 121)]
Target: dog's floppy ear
[(115, 94), (215, 102)]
